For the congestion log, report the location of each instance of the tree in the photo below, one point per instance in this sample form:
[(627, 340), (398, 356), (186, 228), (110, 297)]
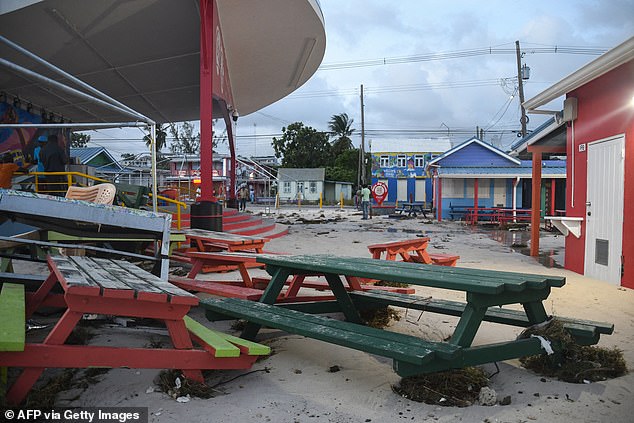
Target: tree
[(302, 146), (128, 156), (184, 141), (340, 127), (78, 140), (345, 167), (161, 138)]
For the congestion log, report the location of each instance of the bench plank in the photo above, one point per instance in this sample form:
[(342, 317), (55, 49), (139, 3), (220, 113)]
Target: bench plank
[(12, 317), (579, 328), (219, 346), (376, 341)]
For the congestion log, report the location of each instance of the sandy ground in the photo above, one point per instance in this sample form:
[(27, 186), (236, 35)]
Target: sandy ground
[(298, 386)]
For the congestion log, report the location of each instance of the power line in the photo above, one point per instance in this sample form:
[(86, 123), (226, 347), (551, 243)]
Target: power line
[(592, 51)]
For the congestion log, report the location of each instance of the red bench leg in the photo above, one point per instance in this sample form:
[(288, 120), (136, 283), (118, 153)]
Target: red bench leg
[(181, 340)]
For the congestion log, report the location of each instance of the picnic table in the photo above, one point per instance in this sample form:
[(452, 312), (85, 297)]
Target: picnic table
[(204, 240), (117, 288), (484, 291), (412, 208), (411, 250)]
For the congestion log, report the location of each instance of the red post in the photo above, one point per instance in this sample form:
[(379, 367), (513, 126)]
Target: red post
[(439, 198), (207, 39), (536, 197), (475, 201), (552, 197)]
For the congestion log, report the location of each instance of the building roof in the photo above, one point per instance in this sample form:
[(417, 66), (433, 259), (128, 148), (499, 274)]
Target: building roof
[(423, 145), (550, 169), (551, 131), (612, 59), (87, 154), (469, 142), (301, 174)]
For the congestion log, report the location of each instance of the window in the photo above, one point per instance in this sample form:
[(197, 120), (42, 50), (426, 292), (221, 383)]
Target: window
[(484, 188), (312, 187), (401, 160), (384, 161), (286, 188), (419, 161), (452, 188)]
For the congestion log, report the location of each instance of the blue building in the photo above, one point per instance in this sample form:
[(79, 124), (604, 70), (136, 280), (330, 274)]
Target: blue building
[(478, 169), (400, 164)]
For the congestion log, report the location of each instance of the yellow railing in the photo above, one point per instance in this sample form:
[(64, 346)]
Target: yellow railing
[(57, 187)]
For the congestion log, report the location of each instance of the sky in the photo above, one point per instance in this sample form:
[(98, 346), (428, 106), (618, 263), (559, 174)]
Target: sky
[(431, 92)]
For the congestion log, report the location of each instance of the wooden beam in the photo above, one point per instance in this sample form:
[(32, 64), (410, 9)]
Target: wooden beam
[(536, 197), (546, 149)]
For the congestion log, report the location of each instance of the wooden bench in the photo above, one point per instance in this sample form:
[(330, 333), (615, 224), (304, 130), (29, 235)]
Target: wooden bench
[(411, 250), (118, 288), (399, 347), (12, 317), (205, 240), (215, 261), (584, 332)]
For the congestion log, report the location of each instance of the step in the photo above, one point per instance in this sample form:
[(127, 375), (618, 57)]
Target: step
[(266, 226), (246, 223), (278, 231)]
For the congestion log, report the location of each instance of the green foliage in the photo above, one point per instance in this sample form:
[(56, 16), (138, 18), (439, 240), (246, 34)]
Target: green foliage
[(302, 147), (78, 140), (161, 139), (184, 141), (128, 156), (340, 126)]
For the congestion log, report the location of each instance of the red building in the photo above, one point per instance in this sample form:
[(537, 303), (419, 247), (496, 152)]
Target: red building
[(599, 114)]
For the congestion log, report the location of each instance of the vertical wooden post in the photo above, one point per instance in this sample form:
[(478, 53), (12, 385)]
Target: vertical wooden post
[(536, 197), (552, 197), (439, 199), (475, 201)]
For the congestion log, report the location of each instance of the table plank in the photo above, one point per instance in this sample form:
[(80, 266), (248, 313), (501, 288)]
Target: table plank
[(111, 285)]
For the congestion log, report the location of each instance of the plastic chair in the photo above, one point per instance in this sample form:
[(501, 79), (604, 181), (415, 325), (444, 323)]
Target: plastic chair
[(99, 194)]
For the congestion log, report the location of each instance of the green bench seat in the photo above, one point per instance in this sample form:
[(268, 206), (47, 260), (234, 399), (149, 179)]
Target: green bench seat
[(222, 344), (12, 317), (399, 347), (583, 331)]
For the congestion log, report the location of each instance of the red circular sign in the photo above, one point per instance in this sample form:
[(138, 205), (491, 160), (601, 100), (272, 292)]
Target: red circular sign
[(379, 192)]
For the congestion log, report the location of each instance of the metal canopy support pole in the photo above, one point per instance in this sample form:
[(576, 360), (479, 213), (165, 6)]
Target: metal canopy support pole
[(231, 133), (154, 181), (206, 98), (536, 197)]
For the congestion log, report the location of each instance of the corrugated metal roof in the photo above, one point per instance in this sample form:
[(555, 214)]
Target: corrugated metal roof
[(301, 174), (473, 140), (86, 154), (500, 172)]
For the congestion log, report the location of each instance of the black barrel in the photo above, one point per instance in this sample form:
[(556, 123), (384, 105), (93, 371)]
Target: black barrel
[(206, 215)]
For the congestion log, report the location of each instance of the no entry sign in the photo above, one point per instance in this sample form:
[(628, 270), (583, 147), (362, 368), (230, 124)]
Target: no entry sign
[(379, 192)]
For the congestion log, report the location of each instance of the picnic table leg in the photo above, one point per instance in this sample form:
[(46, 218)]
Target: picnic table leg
[(535, 312), (294, 286), (29, 375), (348, 308), (36, 299), (196, 268), (354, 282), (270, 295), (246, 278), (468, 325), (182, 341)]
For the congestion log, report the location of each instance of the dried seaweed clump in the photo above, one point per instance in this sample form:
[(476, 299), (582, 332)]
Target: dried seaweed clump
[(452, 388), (379, 317), (174, 384), (572, 362), (392, 284)]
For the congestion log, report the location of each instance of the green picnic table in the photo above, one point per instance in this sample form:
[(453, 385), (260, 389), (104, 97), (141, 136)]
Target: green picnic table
[(484, 290)]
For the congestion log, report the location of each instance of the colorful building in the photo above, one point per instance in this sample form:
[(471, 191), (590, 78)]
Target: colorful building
[(401, 166), (476, 172), (598, 112)]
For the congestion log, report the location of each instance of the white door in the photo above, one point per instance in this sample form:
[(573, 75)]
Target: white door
[(401, 190), (604, 209), (499, 192), (419, 189)]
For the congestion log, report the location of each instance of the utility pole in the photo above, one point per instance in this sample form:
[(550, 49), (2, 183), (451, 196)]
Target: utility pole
[(362, 149), (520, 79)]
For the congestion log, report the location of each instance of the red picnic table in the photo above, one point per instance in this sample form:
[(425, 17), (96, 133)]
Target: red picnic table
[(204, 240), (119, 288), (411, 250)]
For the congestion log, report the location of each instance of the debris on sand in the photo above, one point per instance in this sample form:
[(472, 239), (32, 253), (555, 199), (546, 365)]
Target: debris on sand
[(379, 318)]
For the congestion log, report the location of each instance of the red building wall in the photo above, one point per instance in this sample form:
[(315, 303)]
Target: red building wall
[(605, 108)]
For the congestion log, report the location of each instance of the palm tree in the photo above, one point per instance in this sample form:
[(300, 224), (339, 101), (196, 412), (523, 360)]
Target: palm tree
[(340, 126), (161, 138)]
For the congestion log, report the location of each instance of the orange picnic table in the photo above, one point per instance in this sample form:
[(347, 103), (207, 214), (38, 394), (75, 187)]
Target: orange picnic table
[(118, 288), (411, 250), (204, 240)]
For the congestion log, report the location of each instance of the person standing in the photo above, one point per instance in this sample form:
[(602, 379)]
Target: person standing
[(365, 201), (41, 142), (243, 194), (54, 159)]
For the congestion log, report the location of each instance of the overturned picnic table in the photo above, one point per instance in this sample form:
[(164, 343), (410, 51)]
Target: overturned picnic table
[(411, 355), (411, 250), (117, 288)]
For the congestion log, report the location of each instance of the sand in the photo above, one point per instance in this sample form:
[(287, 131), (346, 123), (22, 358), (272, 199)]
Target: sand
[(295, 385)]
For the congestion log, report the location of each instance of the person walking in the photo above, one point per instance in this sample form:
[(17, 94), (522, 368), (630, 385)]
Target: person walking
[(54, 159), (365, 201)]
